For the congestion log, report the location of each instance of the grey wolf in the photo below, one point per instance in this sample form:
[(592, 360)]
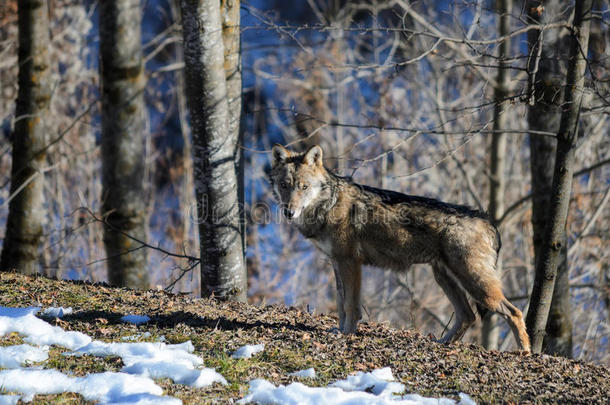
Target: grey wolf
[(357, 225)]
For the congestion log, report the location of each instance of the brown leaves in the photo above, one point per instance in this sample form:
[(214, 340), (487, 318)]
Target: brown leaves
[(105, 331), (319, 346), (295, 339)]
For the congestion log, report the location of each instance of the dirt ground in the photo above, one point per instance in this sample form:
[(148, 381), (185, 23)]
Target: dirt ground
[(295, 340)]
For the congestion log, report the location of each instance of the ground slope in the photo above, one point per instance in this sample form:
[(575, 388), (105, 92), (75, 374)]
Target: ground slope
[(294, 340)]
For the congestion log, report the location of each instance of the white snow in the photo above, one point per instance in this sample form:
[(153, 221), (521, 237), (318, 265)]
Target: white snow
[(135, 319), (134, 352), (146, 399), (145, 361), (9, 399), (36, 331), (104, 387), (15, 356), (144, 335), (378, 382), (134, 385), (263, 392), (373, 388), (157, 360), (57, 312), (180, 373), (308, 373), (245, 352)]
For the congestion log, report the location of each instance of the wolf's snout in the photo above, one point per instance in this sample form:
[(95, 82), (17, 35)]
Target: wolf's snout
[(288, 213)]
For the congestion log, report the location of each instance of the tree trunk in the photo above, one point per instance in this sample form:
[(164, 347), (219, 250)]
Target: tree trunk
[(554, 239), (231, 38), (26, 213), (545, 115), (123, 201), (222, 258), (187, 190), (489, 331)]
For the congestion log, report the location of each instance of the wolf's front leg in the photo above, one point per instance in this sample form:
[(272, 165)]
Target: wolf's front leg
[(350, 274), (340, 297)]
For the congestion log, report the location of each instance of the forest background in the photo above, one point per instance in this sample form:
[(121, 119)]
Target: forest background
[(438, 99)]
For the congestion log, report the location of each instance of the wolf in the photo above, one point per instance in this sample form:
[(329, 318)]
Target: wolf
[(356, 225)]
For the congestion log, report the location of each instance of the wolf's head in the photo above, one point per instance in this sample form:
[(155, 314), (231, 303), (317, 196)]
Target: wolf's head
[(297, 179)]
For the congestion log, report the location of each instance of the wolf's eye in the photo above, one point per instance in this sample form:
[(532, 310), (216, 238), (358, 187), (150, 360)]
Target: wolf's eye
[(283, 184), (305, 186)]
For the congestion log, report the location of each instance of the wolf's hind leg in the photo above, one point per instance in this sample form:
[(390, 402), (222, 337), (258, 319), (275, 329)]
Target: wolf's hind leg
[(486, 289), (464, 317), (514, 317)]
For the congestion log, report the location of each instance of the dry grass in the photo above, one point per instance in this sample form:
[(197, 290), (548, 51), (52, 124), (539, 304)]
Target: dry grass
[(294, 340)]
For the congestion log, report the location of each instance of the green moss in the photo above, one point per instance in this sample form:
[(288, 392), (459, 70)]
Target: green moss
[(11, 339), (81, 365)]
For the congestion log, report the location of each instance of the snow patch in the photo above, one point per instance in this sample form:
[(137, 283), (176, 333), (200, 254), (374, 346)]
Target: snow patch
[(180, 373), (374, 388), (308, 373), (264, 392), (154, 360), (245, 352), (103, 387), (57, 312), (15, 356), (134, 352), (9, 399), (378, 382), (157, 360), (146, 399), (36, 331), (135, 337), (135, 319)]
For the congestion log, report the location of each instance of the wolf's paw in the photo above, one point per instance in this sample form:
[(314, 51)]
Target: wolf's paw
[(335, 331), (444, 340), (350, 331)]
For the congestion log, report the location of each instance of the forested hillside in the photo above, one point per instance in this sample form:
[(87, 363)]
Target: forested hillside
[(135, 141), (293, 340)]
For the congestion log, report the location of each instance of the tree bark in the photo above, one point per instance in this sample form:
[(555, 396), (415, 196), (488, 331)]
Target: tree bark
[(123, 200), (554, 239), (222, 258), (231, 38), (26, 212), (545, 115), (187, 190), (497, 183)]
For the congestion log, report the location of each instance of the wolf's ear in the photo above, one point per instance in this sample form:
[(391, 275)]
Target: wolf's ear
[(313, 156), (279, 154)]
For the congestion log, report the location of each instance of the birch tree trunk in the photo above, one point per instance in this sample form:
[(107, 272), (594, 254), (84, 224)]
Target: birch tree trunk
[(223, 272), (231, 38), (26, 213), (545, 115), (497, 183), (123, 201), (554, 239)]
